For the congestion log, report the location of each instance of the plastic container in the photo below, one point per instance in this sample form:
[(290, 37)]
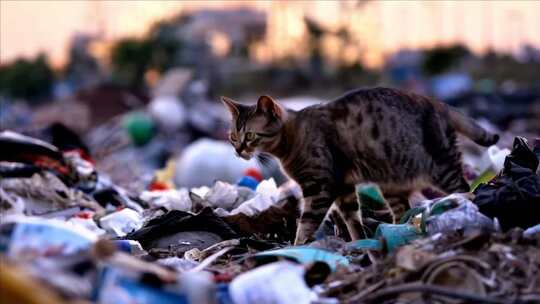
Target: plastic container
[(281, 282)]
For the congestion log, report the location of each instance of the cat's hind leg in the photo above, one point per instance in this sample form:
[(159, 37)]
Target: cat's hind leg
[(358, 227), (448, 175), (350, 211)]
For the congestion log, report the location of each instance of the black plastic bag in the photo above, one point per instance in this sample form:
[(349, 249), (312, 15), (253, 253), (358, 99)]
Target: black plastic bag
[(513, 197)]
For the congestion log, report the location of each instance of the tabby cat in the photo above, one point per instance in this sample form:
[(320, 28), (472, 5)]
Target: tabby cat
[(399, 140)]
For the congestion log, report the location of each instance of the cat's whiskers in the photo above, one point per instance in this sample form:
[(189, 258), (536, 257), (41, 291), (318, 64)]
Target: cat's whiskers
[(264, 159)]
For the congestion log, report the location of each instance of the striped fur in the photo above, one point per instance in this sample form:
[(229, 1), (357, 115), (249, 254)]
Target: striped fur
[(399, 140)]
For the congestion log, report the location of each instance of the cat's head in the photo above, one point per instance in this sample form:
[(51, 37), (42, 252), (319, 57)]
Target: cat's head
[(254, 127)]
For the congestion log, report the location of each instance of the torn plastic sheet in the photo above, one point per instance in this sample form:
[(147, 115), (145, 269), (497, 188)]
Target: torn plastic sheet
[(45, 192), (266, 195)]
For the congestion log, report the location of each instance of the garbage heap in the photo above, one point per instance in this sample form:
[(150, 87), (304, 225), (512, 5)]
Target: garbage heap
[(68, 234)]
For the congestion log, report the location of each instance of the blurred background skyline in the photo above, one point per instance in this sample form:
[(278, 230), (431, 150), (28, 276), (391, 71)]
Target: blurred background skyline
[(503, 26)]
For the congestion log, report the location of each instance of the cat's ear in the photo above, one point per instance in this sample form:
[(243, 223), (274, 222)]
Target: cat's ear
[(232, 105), (267, 105)]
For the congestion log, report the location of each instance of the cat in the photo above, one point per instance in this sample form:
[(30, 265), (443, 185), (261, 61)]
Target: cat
[(401, 141)]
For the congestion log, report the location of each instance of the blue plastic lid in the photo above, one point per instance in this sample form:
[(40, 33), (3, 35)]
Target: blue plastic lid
[(248, 182)]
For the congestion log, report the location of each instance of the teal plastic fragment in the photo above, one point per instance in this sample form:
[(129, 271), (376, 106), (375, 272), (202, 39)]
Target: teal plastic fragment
[(370, 244), (442, 206), (306, 255), (370, 195), (396, 235)]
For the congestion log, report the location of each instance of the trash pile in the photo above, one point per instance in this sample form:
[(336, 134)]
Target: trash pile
[(69, 234)]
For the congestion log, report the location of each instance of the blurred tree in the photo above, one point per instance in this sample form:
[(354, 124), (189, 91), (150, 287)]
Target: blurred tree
[(159, 50), (166, 46), (130, 59), (345, 37), (347, 75), (316, 60), (28, 79), (500, 67), (440, 59)]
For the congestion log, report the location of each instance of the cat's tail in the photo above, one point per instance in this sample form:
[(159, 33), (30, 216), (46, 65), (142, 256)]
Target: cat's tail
[(468, 127)]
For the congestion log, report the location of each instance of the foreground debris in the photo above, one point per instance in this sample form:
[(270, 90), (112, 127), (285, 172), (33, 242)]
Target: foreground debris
[(69, 232), (447, 268)]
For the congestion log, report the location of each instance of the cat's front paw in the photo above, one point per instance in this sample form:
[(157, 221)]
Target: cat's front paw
[(303, 236), (300, 240)]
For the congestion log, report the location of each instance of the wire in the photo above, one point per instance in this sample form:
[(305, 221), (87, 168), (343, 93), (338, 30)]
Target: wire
[(432, 289)]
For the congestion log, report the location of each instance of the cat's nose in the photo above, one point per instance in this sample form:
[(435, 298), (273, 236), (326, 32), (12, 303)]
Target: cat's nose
[(238, 152)]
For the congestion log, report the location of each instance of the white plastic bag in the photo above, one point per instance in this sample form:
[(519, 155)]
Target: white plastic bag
[(223, 195), (171, 199)]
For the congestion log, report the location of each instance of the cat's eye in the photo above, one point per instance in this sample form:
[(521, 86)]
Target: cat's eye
[(250, 136), (233, 137)]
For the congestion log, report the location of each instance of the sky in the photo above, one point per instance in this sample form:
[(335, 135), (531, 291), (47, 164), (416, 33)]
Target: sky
[(28, 27)]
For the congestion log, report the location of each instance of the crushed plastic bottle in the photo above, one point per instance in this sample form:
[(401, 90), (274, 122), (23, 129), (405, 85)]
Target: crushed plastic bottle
[(122, 222), (464, 217)]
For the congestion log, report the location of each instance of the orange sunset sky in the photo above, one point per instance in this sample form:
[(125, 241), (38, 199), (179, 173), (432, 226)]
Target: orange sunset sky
[(28, 27)]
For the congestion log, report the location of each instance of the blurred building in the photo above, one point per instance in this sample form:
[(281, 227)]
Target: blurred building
[(225, 30)]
